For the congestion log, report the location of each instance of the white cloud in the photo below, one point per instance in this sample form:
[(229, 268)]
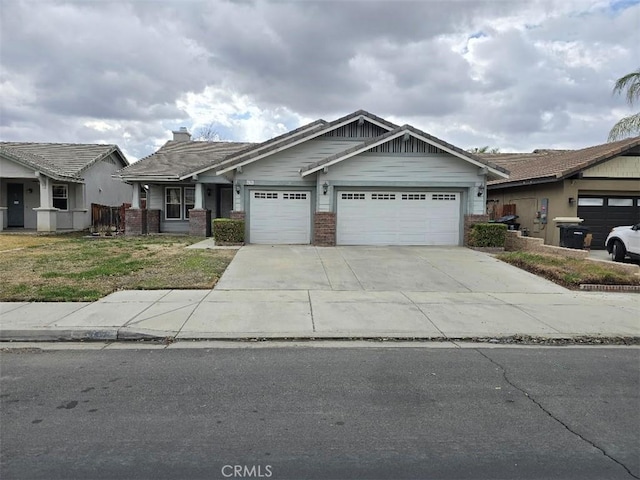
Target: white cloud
[(514, 75)]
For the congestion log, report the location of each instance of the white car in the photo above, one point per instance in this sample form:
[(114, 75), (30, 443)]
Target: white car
[(624, 241)]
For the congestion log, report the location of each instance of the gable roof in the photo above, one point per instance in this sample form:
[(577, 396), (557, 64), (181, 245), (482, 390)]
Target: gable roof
[(60, 161), (296, 137), (176, 160), (496, 170), (542, 166)]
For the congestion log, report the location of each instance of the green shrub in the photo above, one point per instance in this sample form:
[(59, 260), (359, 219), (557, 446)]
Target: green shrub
[(487, 235), (226, 230)]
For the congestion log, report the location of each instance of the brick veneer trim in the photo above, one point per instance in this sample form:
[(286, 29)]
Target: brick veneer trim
[(237, 215), (200, 223), (324, 231), (135, 222)]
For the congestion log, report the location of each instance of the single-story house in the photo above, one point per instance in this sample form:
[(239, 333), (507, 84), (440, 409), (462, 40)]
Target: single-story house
[(50, 186), (597, 187), (358, 180)]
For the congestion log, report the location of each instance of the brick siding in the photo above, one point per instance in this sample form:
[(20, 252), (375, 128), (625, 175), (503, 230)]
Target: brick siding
[(237, 215), (200, 223), (324, 232), (135, 222)]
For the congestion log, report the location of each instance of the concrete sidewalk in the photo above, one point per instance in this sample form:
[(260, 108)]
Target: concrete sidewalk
[(324, 314)]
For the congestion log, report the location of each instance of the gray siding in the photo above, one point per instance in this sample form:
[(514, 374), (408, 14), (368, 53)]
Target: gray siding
[(10, 169), (173, 226), (434, 168), (284, 166)]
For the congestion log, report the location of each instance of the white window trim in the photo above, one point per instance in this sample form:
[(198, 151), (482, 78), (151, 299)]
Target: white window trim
[(184, 201), (183, 205), (66, 196), (165, 204)]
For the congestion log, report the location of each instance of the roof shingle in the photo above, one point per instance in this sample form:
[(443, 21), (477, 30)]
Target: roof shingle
[(551, 165), (62, 160)]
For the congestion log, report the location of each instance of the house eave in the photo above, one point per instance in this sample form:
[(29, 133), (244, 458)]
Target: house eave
[(523, 183)]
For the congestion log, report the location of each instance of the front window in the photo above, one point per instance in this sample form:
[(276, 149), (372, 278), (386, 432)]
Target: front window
[(189, 200), (60, 197), (173, 203)]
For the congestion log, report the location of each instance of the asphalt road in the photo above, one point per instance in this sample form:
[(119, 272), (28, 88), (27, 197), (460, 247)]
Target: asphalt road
[(322, 413)]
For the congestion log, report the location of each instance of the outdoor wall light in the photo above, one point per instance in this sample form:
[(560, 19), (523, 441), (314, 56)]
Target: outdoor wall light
[(238, 188), (325, 188), (572, 200), (29, 190), (208, 192), (480, 190)]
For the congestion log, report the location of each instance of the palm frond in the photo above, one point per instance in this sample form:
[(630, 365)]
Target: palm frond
[(630, 82), (626, 127)]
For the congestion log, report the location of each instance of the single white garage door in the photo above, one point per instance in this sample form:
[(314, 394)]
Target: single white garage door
[(279, 217), (398, 218)]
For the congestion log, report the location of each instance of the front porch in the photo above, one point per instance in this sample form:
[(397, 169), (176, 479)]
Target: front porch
[(186, 208), (41, 204)]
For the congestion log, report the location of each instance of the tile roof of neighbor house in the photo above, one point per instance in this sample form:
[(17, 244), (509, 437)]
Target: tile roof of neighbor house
[(175, 160), (405, 128), (64, 161), (551, 165)]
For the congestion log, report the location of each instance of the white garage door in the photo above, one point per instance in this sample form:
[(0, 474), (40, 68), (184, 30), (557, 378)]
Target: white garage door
[(280, 217), (398, 218)]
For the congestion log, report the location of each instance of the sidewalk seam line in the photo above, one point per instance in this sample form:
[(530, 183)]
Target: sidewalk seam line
[(424, 314), (351, 270), (191, 314), (313, 323), (551, 415), (326, 274)]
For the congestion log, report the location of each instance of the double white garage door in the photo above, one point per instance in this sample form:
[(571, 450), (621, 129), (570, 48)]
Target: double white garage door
[(363, 218)]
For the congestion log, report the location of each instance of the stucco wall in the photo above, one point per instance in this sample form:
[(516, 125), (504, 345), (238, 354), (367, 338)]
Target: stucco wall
[(528, 200)]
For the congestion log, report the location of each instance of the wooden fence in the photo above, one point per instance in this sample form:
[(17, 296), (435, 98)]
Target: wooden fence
[(105, 218)]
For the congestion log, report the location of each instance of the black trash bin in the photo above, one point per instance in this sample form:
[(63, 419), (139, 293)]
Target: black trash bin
[(572, 236), (509, 221)]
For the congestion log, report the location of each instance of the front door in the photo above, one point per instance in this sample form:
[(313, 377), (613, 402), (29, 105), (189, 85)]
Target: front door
[(15, 205), (225, 202)]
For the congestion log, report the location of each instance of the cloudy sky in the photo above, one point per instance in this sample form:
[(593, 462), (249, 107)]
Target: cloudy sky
[(512, 74)]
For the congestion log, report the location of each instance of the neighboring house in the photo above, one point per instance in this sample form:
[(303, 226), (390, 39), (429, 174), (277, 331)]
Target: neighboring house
[(599, 185), (359, 180), (51, 186)]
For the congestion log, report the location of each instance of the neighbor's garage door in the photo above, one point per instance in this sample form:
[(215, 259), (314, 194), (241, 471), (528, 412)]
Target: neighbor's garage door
[(602, 213), (279, 217), (398, 218)]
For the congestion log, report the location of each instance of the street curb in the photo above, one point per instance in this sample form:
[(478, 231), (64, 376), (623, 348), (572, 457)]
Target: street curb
[(58, 335), (112, 335), (592, 287)]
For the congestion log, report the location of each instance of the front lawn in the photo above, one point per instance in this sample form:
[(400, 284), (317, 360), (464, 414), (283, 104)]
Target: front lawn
[(569, 272), (75, 268)]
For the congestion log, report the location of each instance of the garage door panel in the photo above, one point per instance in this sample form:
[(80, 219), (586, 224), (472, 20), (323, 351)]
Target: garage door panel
[(398, 218), (602, 213), (280, 217)]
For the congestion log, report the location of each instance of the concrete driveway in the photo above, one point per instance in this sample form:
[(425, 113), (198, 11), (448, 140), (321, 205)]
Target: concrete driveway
[(407, 269)]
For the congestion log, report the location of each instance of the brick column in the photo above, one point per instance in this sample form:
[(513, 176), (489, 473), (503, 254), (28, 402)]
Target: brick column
[(471, 220), (153, 221), (237, 215), (200, 223), (324, 231), (135, 222)]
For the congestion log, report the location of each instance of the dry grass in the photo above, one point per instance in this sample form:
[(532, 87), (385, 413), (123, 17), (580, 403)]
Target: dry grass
[(11, 242), (84, 269), (569, 272)]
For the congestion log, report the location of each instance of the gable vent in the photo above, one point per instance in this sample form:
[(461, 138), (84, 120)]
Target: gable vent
[(354, 130), (398, 145)]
